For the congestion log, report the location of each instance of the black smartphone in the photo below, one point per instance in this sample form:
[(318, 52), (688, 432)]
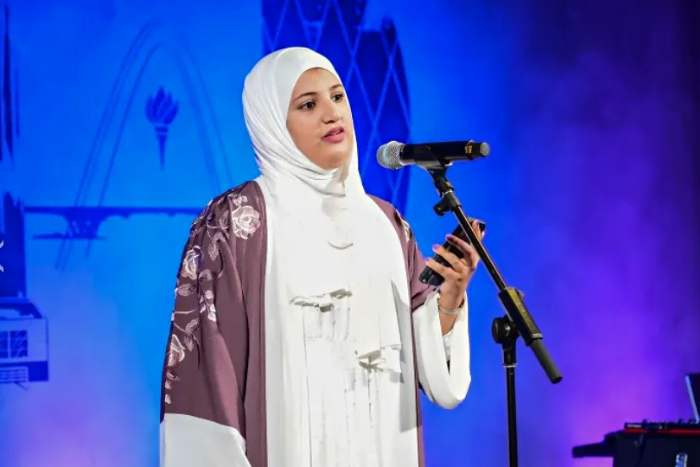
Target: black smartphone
[(430, 277)]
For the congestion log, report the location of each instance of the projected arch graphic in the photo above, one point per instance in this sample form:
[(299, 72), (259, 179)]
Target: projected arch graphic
[(368, 58), (88, 211)]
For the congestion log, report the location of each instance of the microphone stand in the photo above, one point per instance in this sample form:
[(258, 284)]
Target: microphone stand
[(517, 321)]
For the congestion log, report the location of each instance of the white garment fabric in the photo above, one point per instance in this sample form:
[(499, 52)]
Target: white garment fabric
[(187, 441), (329, 237)]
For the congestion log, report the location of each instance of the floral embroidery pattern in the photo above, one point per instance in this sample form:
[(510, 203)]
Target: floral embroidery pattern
[(176, 353), (206, 305), (184, 290), (194, 292), (406, 229), (244, 219), (190, 263), (213, 249)]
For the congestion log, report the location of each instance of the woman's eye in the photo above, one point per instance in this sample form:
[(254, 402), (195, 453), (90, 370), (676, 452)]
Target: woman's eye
[(338, 97), (307, 105)]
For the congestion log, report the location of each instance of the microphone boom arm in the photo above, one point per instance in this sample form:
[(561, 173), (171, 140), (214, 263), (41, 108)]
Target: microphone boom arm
[(511, 298), (517, 322)]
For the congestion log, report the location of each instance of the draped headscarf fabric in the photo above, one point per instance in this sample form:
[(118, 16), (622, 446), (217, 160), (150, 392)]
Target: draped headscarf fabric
[(314, 215), (266, 96)]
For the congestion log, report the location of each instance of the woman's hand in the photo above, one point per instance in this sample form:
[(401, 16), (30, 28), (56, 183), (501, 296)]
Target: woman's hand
[(454, 287)]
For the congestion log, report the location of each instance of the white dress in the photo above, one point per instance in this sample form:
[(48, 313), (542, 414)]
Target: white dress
[(350, 397), (352, 410)]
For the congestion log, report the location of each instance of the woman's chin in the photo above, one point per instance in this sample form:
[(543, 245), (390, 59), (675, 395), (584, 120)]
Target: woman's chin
[(333, 159)]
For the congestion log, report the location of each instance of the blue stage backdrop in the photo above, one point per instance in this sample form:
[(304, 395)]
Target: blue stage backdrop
[(119, 120)]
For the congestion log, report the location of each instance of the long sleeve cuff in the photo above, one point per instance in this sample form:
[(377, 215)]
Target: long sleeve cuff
[(445, 386)]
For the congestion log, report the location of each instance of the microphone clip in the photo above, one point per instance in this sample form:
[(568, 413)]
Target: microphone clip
[(448, 200)]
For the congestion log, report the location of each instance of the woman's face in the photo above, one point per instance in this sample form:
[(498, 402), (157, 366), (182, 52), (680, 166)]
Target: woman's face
[(319, 119)]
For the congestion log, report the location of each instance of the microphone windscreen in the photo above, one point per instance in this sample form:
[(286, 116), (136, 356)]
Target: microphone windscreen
[(389, 155)]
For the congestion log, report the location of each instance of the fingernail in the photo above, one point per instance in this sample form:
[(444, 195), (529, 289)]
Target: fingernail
[(436, 247)]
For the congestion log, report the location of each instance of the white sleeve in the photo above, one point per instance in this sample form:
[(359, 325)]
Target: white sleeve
[(446, 387), (187, 441)]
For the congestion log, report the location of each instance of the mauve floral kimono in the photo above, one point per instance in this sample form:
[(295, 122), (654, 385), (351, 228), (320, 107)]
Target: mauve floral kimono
[(215, 363)]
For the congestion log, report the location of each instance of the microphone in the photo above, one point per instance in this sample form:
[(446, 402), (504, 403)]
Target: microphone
[(395, 155)]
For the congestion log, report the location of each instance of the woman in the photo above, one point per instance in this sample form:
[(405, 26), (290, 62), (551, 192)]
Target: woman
[(301, 333)]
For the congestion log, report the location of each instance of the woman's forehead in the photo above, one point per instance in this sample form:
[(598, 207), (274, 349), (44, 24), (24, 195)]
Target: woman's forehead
[(316, 78)]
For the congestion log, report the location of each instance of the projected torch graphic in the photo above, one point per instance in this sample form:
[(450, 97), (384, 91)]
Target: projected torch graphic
[(161, 110)]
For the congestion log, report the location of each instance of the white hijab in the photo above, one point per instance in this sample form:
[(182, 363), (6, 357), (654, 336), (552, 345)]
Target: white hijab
[(266, 97), (300, 187), (313, 216)]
